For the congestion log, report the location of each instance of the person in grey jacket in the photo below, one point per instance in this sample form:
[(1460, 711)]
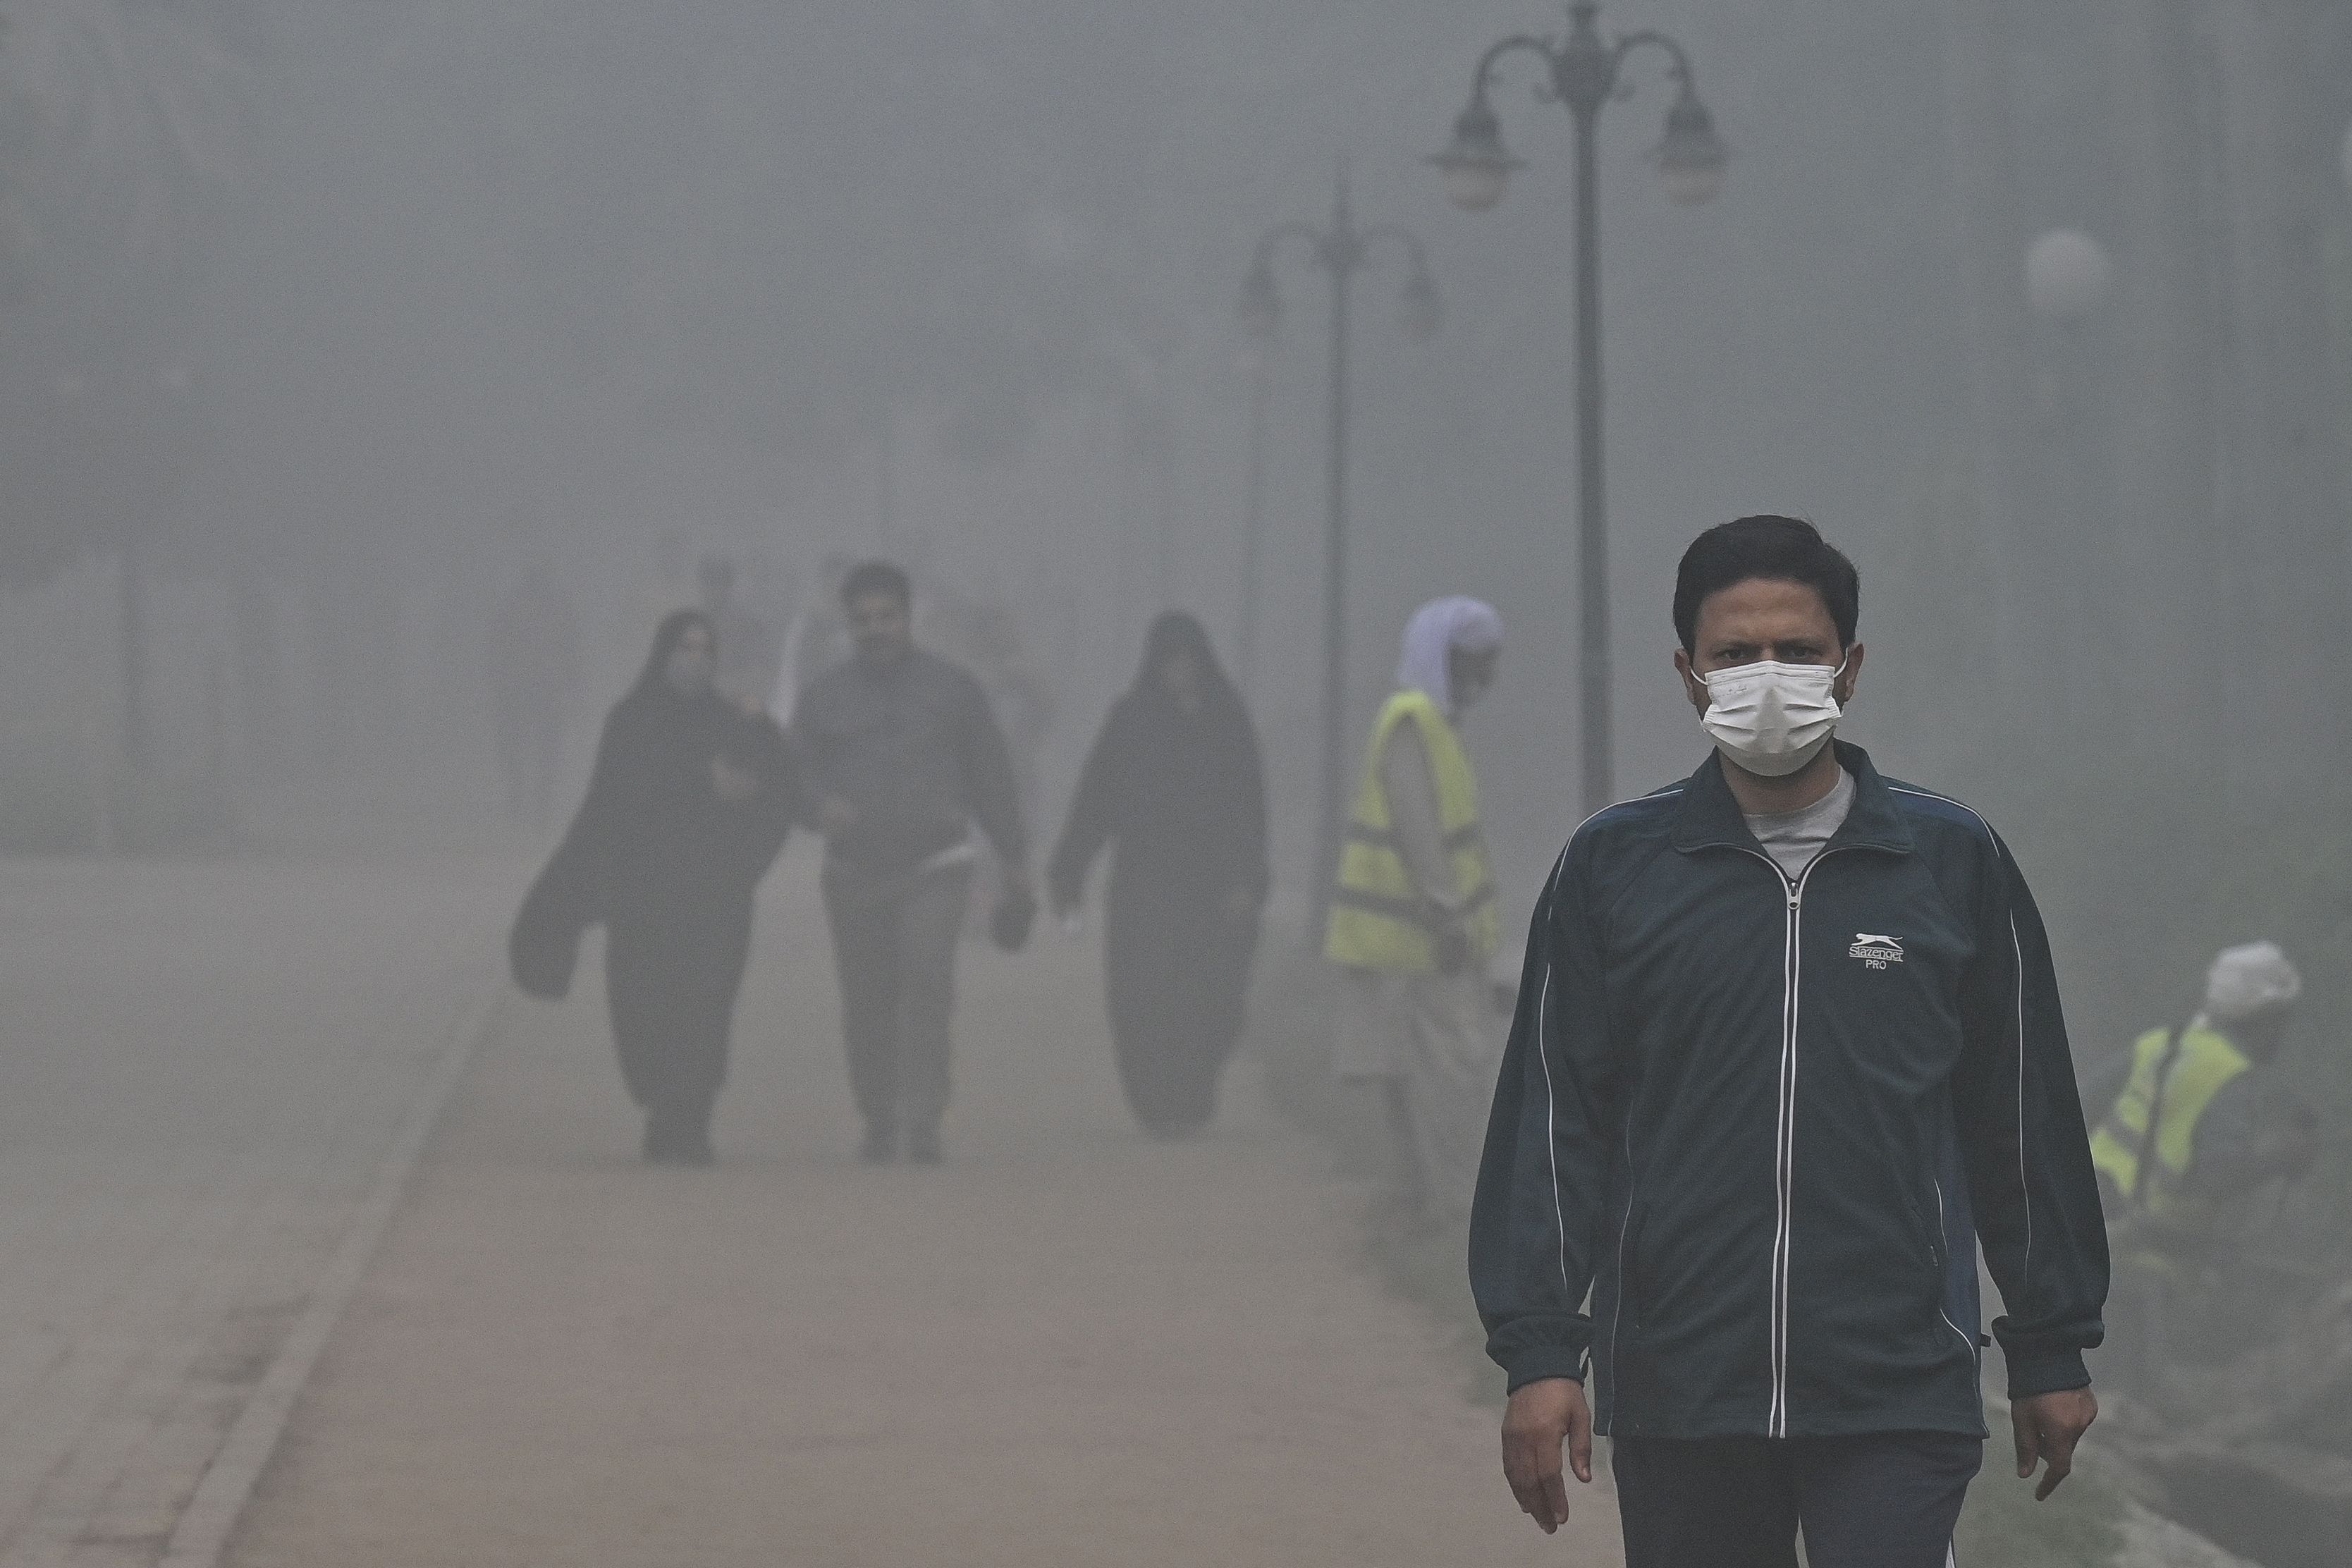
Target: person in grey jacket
[(901, 756)]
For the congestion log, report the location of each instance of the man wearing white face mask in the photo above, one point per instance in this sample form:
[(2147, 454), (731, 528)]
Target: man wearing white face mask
[(1788, 1049)]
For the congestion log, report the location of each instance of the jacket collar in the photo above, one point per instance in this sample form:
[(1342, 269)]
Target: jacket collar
[(1710, 819)]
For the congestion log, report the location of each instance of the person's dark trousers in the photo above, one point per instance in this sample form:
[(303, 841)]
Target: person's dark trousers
[(894, 948), (1881, 1500)]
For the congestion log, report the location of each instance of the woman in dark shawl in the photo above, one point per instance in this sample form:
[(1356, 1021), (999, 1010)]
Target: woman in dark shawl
[(688, 808), (1175, 786)]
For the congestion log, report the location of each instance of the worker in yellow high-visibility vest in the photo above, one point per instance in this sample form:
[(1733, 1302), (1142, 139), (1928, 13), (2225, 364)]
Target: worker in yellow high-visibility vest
[(1413, 924), (2193, 1128)]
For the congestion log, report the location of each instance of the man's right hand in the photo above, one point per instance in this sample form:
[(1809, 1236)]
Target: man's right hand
[(1541, 1418)]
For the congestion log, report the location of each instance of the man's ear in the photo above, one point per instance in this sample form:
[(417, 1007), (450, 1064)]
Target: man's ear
[(1844, 691), (1694, 688)]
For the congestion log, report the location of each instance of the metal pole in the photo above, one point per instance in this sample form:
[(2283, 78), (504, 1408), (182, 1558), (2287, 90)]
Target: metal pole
[(132, 588), (1335, 574), (886, 485), (1253, 526), (1591, 492)]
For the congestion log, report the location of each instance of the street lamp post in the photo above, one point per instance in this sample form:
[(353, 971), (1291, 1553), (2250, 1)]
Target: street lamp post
[(1261, 389), (2068, 277), (1342, 249), (1585, 73)]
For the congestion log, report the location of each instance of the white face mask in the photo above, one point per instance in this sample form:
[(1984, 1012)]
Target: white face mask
[(1771, 718)]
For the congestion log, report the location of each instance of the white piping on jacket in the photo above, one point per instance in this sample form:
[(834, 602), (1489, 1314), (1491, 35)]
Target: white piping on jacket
[(1552, 1091), (1966, 1338), (2017, 958), (1552, 1094), (2024, 1192), (1551, 1128)]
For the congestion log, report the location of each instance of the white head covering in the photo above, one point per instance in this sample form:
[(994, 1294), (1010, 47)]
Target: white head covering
[(1436, 630), (2246, 980)]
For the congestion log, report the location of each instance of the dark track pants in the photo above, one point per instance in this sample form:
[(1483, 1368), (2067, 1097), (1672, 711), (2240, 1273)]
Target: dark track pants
[(1884, 1500)]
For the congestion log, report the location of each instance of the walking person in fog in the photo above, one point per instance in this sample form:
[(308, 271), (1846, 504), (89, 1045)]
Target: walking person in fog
[(1787, 1047), (1175, 788), (902, 756), (688, 808)]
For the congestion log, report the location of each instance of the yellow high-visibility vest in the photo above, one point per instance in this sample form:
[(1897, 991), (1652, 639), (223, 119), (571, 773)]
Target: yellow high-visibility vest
[(1379, 920), (2173, 1081)]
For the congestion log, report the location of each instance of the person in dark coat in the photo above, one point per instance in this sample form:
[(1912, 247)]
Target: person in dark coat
[(1176, 788), (688, 808)]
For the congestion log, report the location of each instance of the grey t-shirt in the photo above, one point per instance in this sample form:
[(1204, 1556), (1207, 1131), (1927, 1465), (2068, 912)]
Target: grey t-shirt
[(1794, 837)]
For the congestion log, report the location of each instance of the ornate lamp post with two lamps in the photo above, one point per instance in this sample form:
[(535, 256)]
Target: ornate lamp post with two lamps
[(1585, 73), (1340, 249)]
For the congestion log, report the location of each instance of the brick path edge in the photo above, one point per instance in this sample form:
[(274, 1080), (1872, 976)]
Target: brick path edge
[(203, 1531)]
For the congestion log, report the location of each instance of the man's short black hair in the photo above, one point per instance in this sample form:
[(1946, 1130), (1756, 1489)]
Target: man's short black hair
[(1779, 549), (870, 577)]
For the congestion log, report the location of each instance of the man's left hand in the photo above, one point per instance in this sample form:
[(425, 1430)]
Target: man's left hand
[(2048, 1425)]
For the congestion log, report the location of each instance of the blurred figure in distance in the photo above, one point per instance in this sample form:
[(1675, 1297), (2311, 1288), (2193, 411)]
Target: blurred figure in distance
[(1175, 788), (688, 807), (903, 757)]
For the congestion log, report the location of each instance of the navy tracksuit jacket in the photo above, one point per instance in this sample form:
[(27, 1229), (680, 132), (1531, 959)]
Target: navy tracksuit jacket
[(1766, 1123)]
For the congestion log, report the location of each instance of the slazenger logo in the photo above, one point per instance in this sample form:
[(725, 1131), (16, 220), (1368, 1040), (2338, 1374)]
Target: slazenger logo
[(1875, 951)]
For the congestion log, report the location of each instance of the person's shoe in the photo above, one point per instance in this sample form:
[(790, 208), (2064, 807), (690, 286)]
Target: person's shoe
[(694, 1151), (881, 1145), (657, 1148), (923, 1146)]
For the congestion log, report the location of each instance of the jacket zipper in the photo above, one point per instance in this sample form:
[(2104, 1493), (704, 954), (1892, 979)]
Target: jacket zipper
[(1784, 1150)]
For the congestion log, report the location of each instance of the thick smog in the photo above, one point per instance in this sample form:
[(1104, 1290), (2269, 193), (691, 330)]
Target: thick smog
[(1034, 781)]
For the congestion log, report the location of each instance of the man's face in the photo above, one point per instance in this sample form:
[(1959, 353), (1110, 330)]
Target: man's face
[(882, 628), (1765, 618), (1469, 675)]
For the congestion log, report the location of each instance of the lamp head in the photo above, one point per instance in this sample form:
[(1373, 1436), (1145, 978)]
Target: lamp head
[(1477, 165), (1690, 155), (2067, 274)]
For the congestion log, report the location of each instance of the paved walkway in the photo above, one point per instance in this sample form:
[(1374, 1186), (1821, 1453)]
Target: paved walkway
[(1072, 1345), (201, 1067)]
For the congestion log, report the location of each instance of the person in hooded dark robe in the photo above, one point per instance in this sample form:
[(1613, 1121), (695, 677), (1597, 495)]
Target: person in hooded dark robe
[(688, 807), (1176, 788)]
